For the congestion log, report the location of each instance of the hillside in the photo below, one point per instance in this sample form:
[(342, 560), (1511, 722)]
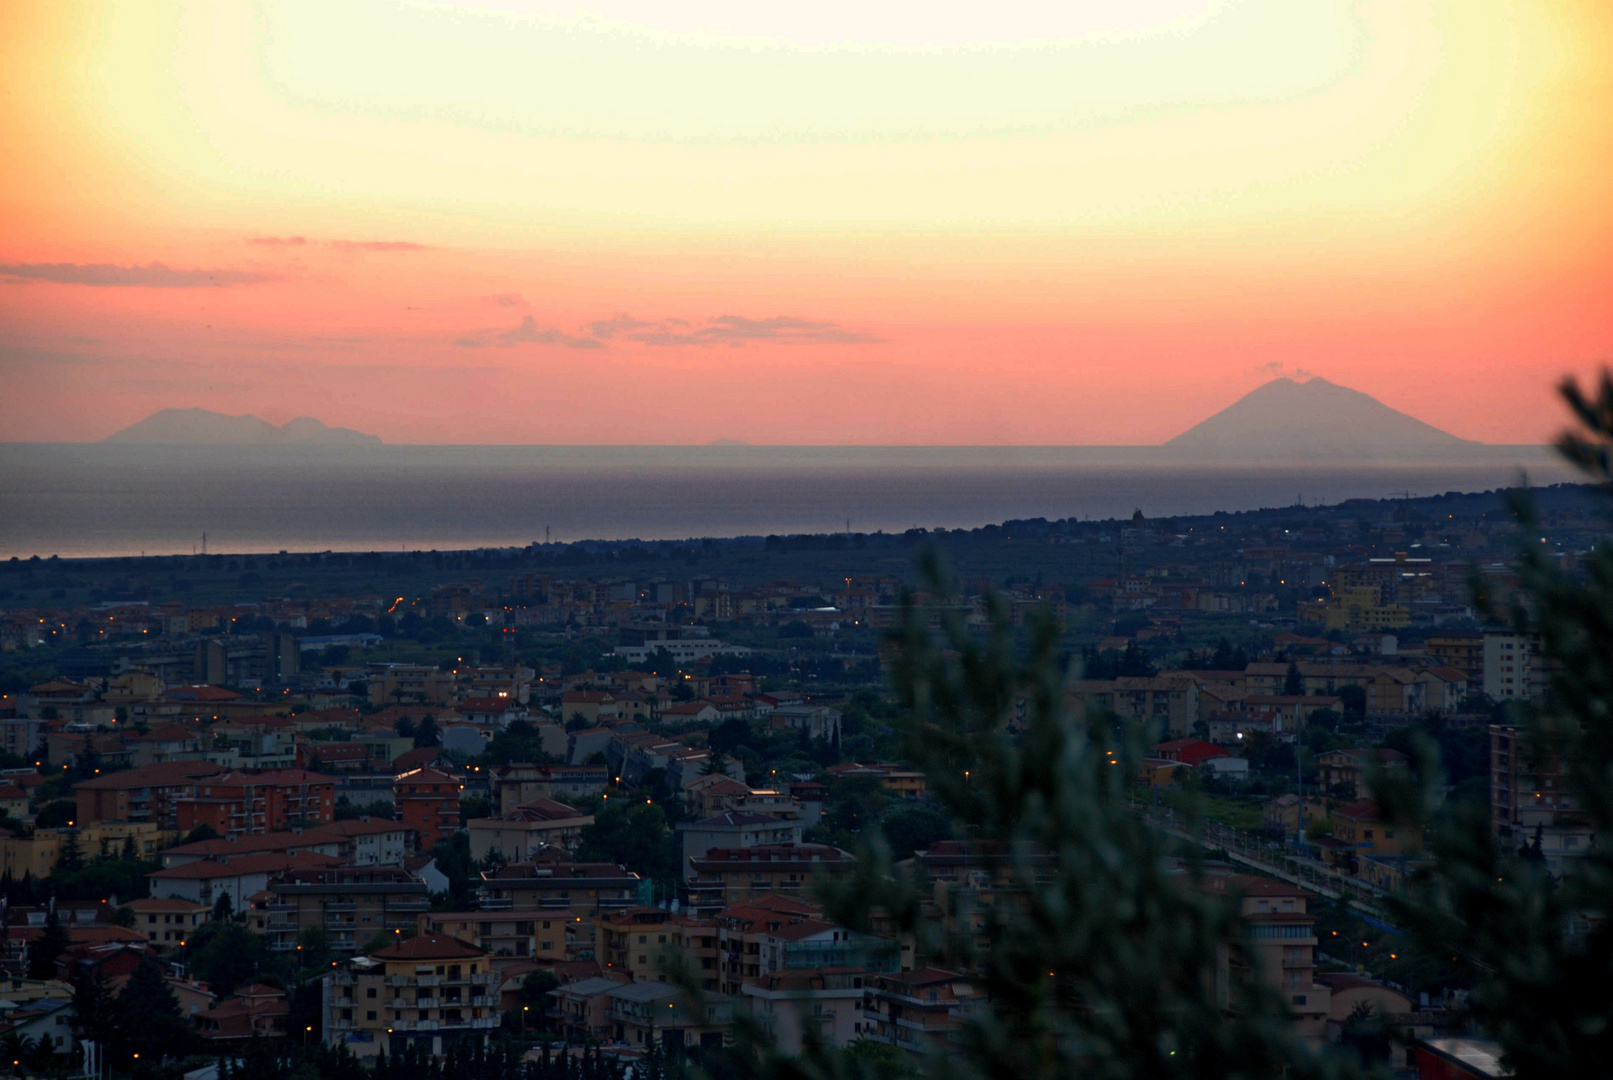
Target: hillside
[(1286, 419)]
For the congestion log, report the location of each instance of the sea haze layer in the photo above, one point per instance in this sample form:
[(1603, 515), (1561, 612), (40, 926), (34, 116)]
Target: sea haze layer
[(99, 500)]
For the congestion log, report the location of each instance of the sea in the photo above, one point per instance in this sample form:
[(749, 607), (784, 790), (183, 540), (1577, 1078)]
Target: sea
[(96, 500)]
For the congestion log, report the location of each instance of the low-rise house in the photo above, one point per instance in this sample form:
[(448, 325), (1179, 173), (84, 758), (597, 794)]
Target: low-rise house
[(1346, 773), (167, 922), (647, 1014), (205, 881), (579, 1009), (225, 849), (1361, 827), (46, 1018), (254, 1012)]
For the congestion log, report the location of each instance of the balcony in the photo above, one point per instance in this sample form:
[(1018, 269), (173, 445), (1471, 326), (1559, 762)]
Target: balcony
[(481, 1023)]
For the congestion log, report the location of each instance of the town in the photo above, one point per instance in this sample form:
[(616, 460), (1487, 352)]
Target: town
[(583, 796)]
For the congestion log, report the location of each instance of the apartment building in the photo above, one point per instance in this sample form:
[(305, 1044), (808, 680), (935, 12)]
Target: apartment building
[(236, 803), (510, 934), (580, 892), (433, 991), (1514, 669), (519, 783), (1529, 798), (724, 877), (353, 906), (648, 944), (827, 1002), (519, 834), (917, 1011), (1278, 949), (428, 805), (734, 830), (1170, 701), (147, 793)]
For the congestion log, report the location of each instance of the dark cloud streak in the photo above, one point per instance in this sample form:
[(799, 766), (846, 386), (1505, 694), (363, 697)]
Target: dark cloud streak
[(154, 275)]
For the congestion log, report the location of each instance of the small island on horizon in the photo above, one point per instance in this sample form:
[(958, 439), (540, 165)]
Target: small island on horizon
[(203, 427)]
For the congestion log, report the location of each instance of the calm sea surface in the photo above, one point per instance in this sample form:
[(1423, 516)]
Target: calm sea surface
[(123, 500)]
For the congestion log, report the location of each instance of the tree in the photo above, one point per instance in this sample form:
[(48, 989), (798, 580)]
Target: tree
[(150, 1022), (426, 735), (201, 832), (1104, 949), (94, 1008), (1538, 947), (637, 836), (42, 954), (57, 814), (226, 955), (1293, 682), (223, 907), (71, 856)]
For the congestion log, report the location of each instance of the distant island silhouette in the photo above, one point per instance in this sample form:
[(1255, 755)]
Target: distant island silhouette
[(1288, 419), (203, 427)]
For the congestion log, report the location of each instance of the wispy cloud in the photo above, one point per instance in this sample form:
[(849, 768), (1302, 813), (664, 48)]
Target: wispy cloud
[(154, 275), (527, 332), (626, 325), (346, 246), (1277, 367), (509, 299), (737, 330), (375, 245)]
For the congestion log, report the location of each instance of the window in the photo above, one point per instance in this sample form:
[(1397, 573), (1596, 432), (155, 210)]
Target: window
[(1299, 999), (370, 992), (370, 1015), (642, 939)]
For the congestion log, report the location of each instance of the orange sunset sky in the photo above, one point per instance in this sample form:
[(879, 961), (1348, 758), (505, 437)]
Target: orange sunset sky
[(843, 222)]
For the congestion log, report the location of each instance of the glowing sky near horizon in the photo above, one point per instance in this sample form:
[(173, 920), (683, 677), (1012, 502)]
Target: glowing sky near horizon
[(639, 222)]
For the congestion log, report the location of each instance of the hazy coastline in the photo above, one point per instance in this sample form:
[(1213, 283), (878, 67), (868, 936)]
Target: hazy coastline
[(90, 499)]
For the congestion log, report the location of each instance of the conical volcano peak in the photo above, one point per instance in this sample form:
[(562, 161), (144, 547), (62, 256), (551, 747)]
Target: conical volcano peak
[(1286, 418)]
